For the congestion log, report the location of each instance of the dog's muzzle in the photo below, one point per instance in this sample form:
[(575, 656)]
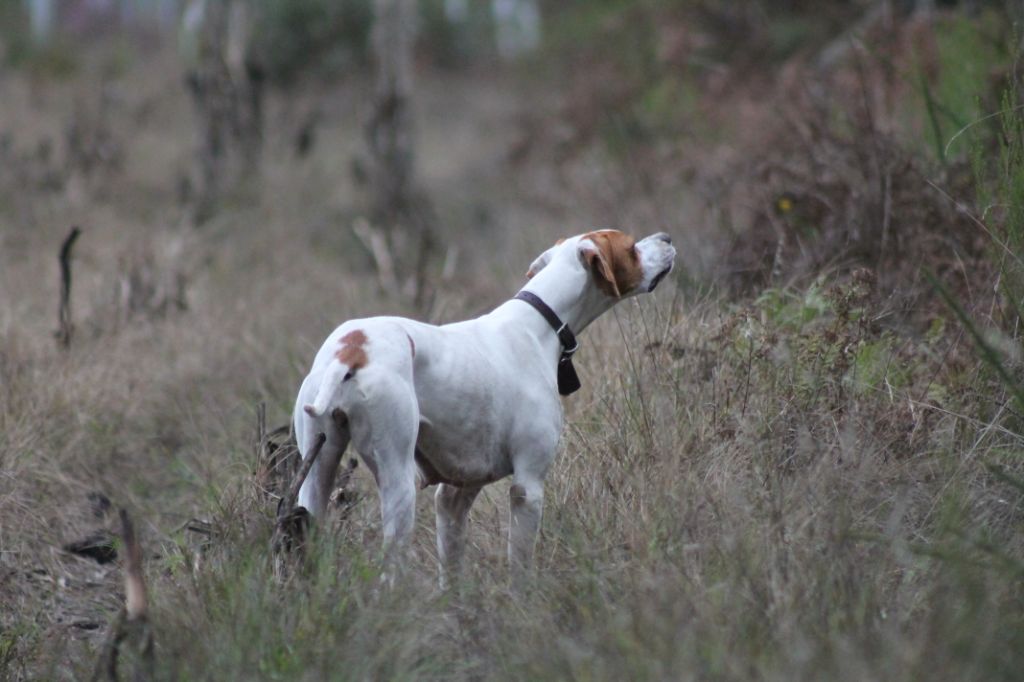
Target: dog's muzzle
[(660, 276)]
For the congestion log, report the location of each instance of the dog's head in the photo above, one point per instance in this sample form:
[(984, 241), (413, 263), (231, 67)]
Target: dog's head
[(617, 264)]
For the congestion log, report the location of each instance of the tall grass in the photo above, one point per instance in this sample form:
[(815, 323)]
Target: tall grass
[(796, 512)]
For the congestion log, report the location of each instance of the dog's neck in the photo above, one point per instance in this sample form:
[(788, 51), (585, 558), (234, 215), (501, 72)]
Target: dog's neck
[(570, 293)]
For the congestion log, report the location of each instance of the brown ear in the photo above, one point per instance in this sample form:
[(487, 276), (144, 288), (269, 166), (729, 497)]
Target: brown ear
[(611, 256), (541, 261), (598, 263), (538, 265)]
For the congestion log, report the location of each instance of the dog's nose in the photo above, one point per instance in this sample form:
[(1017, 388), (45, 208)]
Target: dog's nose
[(663, 236)]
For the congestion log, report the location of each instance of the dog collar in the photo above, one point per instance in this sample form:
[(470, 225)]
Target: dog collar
[(568, 380)]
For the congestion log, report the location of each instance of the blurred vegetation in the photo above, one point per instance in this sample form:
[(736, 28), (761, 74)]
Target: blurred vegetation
[(321, 38), (312, 37)]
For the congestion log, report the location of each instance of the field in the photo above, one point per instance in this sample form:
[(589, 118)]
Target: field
[(801, 458)]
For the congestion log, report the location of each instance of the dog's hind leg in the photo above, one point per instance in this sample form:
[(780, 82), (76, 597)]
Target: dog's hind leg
[(452, 505), (316, 489), (384, 426)]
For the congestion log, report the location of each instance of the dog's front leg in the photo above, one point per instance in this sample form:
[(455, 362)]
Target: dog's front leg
[(452, 505), (526, 503)]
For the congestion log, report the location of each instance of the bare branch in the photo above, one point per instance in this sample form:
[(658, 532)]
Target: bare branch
[(132, 624), (300, 477), (64, 313), (291, 521), (376, 243)]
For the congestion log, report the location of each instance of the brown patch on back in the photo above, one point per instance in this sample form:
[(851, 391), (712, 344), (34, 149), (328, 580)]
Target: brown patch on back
[(352, 354), (616, 264)]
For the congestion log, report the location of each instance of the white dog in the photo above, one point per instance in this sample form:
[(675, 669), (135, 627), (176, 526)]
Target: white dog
[(466, 404)]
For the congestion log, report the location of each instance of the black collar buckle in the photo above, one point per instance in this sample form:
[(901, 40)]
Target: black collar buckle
[(567, 351)]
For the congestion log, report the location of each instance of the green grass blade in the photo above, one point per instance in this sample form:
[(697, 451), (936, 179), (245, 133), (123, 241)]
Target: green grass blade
[(987, 352)]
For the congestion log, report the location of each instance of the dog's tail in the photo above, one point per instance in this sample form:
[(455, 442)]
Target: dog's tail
[(334, 376)]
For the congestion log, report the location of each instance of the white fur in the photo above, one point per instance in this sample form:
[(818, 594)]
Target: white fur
[(479, 400)]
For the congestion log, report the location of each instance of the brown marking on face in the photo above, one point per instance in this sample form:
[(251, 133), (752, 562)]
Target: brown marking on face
[(412, 346), (615, 264), (352, 354)]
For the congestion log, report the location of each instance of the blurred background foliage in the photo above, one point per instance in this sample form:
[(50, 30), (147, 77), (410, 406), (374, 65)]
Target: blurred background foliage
[(312, 36)]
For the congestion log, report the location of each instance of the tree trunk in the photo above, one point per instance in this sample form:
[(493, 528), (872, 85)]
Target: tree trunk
[(390, 131), (398, 206), (227, 92)]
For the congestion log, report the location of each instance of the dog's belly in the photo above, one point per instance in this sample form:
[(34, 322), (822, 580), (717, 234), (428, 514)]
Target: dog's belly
[(469, 397), (462, 457)]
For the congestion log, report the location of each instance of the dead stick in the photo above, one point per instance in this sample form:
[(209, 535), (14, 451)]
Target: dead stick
[(261, 439), (135, 599), (377, 244), (133, 617), (134, 583), (64, 313), (106, 664), (288, 503), (285, 531)]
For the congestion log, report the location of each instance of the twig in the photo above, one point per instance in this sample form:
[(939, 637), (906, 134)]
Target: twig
[(974, 219), (746, 385), (377, 245), (976, 122), (886, 211), (272, 470), (290, 521), (451, 259), (260, 446), (64, 313), (300, 477), (136, 602), (970, 420), (836, 50)]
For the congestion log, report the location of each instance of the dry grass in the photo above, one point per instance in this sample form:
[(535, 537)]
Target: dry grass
[(779, 487)]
